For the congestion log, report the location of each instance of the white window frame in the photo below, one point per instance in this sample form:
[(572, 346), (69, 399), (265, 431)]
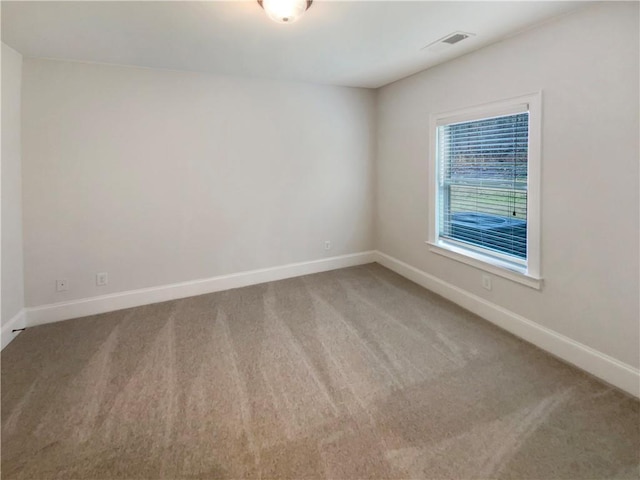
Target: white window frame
[(528, 274)]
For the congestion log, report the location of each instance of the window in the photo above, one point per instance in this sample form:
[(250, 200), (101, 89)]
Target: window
[(485, 175)]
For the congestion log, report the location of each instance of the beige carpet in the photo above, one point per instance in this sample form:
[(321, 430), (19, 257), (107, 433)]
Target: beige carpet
[(351, 374)]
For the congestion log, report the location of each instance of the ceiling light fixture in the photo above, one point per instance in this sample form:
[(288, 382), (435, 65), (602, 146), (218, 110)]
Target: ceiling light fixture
[(285, 11)]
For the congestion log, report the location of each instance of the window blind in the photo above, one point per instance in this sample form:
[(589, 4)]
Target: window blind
[(482, 167)]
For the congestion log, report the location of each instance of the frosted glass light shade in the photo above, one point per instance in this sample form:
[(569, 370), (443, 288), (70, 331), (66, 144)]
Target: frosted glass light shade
[(284, 11)]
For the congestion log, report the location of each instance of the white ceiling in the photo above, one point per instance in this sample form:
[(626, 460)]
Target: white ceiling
[(361, 43)]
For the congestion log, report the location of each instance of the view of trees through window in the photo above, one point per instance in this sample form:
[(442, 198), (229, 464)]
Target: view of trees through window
[(483, 182)]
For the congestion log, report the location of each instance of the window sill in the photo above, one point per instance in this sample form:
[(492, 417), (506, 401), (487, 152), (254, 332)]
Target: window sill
[(479, 262)]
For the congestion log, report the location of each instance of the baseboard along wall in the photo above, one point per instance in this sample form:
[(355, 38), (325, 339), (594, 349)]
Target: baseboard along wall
[(584, 357), (18, 322), (134, 298), (609, 369)]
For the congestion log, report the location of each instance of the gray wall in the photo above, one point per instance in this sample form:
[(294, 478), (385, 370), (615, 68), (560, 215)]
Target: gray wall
[(12, 259), (158, 177), (586, 64)]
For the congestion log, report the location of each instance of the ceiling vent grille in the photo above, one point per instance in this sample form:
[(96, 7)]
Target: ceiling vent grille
[(455, 38), (447, 41)]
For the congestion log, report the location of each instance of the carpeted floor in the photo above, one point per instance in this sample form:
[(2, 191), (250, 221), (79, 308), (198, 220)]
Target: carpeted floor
[(350, 374)]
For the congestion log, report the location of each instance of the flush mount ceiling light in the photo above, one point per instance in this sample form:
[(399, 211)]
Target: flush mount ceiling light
[(285, 11)]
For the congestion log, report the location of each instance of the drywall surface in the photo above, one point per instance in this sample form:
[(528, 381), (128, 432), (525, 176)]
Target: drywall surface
[(12, 265), (158, 177), (586, 65)]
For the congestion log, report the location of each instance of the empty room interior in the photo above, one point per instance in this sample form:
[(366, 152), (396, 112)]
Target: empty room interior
[(291, 239)]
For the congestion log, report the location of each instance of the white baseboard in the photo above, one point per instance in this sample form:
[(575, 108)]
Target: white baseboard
[(603, 366), (19, 320), (134, 298), (597, 363)]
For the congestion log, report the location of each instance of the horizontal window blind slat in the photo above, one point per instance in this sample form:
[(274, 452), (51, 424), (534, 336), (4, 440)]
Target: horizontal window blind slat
[(490, 238), (471, 117), (483, 183), (507, 238), (519, 185), (509, 252), (499, 136)]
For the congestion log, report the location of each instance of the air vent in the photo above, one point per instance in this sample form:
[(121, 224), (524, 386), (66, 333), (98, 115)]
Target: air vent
[(447, 41), (455, 38)]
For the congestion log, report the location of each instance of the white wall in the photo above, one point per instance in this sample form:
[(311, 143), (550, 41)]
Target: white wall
[(159, 177), (586, 64), (12, 265)]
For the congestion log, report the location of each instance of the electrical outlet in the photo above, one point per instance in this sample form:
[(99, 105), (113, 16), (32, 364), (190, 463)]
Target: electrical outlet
[(102, 279), (486, 281), (62, 285), (327, 244)]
